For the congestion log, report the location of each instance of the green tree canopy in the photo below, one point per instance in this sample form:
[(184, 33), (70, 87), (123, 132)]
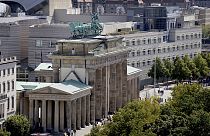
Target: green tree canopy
[(169, 67), (201, 65), (192, 67), (131, 119), (17, 125), (4, 133), (160, 69), (181, 71)]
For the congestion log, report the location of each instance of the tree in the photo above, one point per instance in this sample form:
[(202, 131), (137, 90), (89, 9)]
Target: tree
[(169, 67), (192, 67), (17, 125), (181, 71), (4, 133), (160, 69), (131, 119), (201, 65)]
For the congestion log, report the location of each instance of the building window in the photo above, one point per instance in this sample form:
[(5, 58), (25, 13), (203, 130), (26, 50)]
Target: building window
[(138, 64), (164, 38), (159, 50), (13, 102), (187, 46), (155, 40), (13, 70), (177, 48), (8, 86), (154, 50), (133, 64), (8, 103), (148, 62), (0, 73), (133, 42), (51, 44), (143, 63), (182, 37), (4, 72), (174, 48), (164, 49), (138, 53), (191, 36), (144, 52), (8, 71), (149, 52), (133, 54), (187, 36), (159, 40), (38, 43), (178, 38), (4, 87), (144, 41), (183, 47), (168, 49), (196, 36), (13, 84), (138, 42), (127, 43), (149, 41)]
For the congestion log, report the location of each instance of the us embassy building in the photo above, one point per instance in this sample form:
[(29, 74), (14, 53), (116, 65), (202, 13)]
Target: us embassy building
[(87, 80)]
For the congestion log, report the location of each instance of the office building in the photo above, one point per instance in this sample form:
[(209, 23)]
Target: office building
[(7, 88)]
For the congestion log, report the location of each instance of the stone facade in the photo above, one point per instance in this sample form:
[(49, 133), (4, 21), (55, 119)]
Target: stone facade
[(101, 64), (7, 88)]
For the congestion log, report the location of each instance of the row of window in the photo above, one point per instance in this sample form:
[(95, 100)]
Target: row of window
[(144, 41), (39, 43), (162, 50), (187, 37), (150, 62), (7, 86), (7, 72)]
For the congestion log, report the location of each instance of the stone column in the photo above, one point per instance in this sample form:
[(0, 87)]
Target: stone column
[(124, 82), (136, 89), (119, 85), (31, 111), (98, 94), (112, 90), (104, 91), (78, 113), (21, 105), (130, 90), (56, 116), (73, 115), (92, 80), (61, 115), (68, 114), (49, 114), (44, 115), (26, 107), (36, 114), (83, 111), (87, 110)]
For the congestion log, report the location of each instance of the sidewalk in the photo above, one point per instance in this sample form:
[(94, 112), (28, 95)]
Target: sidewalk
[(84, 131)]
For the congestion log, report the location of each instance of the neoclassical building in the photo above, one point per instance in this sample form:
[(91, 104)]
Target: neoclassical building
[(87, 80)]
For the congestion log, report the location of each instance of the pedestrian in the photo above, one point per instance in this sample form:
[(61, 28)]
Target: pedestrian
[(75, 132)]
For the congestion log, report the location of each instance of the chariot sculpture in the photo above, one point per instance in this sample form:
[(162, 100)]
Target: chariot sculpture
[(81, 30)]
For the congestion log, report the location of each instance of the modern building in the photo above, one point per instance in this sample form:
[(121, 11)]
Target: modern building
[(146, 46), (91, 79), (7, 88)]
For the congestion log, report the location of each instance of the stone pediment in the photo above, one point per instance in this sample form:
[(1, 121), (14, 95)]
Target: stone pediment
[(49, 90)]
